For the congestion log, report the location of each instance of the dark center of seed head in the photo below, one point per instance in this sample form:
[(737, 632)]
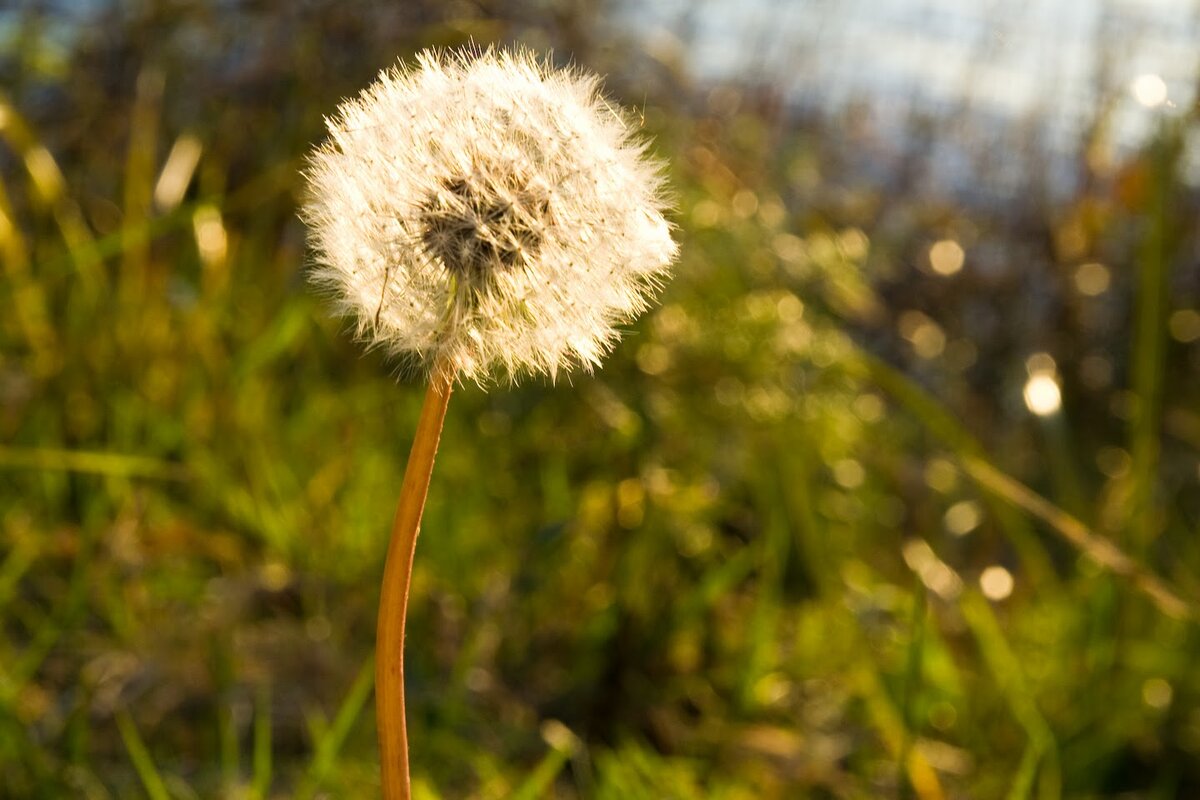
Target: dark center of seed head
[(475, 232)]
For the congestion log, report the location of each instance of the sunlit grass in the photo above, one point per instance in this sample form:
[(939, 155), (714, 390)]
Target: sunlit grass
[(754, 565)]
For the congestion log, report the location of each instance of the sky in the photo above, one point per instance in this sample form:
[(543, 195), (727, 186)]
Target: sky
[(1052, 61)]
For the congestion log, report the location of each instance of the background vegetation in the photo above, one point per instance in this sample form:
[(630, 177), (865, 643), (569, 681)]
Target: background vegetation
[(801, 536)]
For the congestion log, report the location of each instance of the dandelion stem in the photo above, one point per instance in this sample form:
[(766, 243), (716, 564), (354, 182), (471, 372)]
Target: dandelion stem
[(393, 601)]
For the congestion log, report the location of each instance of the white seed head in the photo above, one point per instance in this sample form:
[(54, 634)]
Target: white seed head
[(485, 215)]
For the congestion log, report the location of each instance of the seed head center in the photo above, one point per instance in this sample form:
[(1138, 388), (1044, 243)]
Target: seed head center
[(478, 230)]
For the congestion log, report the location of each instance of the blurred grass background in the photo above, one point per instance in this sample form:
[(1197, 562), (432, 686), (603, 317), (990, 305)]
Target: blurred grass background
[(801, 537)]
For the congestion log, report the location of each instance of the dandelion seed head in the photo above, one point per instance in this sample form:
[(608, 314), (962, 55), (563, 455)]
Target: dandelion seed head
[(485, 215)]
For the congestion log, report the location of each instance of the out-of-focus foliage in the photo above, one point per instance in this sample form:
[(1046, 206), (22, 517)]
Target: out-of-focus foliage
[(760, 554)]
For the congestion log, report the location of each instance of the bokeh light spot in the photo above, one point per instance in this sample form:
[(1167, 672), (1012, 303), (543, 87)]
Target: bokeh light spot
[(1157, 693), (653, 359), (869, 407), (942, 716), (933, 572), (275, 576), (848, 473), (1185, 325), (706, 214), (789, 308), (789, 247), (854, 244), (1042, 395), (946, 257), (941, 475), (996, 583), (1041, 362), (962, 517), (211, 239), (926, 336), (1114, 461), (1092, 279), (744, 204), (1149, 89), (1096, 371)]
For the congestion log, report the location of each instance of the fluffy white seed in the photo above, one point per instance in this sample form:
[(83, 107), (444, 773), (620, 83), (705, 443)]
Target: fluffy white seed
[(484, 215)]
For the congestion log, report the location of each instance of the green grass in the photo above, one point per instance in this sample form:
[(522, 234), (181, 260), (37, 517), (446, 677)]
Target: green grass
[(717, 568)]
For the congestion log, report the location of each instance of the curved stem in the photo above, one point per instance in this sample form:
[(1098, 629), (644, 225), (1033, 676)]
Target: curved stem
[(393, 601)]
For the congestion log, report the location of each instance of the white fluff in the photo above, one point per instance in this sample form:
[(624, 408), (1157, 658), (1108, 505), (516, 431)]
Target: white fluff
[(487, 216)]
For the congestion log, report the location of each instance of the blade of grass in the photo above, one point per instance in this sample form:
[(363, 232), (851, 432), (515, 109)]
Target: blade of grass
[(794, 462), (772, 557), (64, 617), (999, 485), (49, 186), (139, 181), (16, 673), (1148, 355), (222, 670), (562, 744), (142, 762), (890, 724), (330, 743), (270, 182), (714, 584), (913, 670), (1064, 471), (1022, 785), (29, 301), (942, 424), (1006, 671), (1100, 550), (22, 555), (99, 463), (260, 784)]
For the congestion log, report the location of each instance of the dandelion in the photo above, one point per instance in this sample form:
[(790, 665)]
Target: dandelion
[(487, 216), (479, 216)]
